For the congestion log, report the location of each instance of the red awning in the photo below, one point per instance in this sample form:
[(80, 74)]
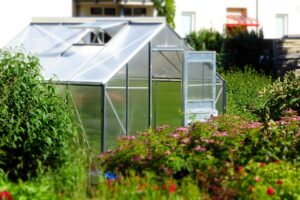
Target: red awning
[(236, 20)]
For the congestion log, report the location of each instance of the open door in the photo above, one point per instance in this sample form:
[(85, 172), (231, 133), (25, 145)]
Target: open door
[(199, 86)]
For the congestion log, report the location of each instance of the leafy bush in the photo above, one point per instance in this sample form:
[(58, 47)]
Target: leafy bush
[(146, 187), (236, 50), (242, 90), (67, 182), (36, 126), (207, 39), (282, 95), (247, 48), (208, 152)]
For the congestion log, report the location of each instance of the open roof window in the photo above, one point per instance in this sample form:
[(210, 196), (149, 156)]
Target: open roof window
[(95, 37), (99, 32)]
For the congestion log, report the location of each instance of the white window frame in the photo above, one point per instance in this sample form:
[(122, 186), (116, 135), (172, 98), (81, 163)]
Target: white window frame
[(285, 24), (192, 15)]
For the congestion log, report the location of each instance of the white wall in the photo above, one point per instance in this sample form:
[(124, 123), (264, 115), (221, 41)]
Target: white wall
[(208, 14), (212, 14), (268, 11), (16, 15)]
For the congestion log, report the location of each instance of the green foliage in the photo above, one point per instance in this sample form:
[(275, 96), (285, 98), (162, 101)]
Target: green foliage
[(207, 39), (282, 95), (67, 182), (36, 126), (214, 153), (243, 48), (242, 90), (166, 8), (255, 181), (235, 51), (147, 187)]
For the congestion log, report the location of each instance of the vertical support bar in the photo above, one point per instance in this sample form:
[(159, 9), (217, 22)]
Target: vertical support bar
[(103, 120), (214, 77), (155, 103), (224, 96), (184, 86), (150, 84), (127, 99)]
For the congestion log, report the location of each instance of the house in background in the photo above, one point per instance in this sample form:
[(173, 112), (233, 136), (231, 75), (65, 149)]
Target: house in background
[(112, 8), (277, 18)]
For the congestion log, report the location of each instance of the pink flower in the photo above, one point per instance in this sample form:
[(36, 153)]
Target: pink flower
[(279, 182), (257, 179), (182, 129), (186, 140), (5, 195), (221, 134), (168, 152), (200, 149), (252, 125), (101, 155), (175, 135), (270, 191)]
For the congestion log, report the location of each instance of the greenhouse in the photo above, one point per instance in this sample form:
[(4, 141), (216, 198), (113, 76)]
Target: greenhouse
[(124, 75)]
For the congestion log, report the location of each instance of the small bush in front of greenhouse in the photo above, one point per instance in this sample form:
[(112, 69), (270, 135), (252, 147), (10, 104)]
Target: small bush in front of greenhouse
[(36, 127), (226, 156)]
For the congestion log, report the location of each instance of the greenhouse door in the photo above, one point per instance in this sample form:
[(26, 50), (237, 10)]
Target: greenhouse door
[(199, 86)]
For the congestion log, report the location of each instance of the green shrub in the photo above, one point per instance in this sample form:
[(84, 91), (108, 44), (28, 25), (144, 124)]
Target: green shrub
[(247, 48), (207, 39), (274, 180), (207, 152), (242, 91), (67, 182), (282, 95), (36, 126), (146, 187)]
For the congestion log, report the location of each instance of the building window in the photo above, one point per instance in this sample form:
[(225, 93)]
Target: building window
[(281, 25), (139, 11), (187, 23), (127, 12), (96, 11), (110, 11)]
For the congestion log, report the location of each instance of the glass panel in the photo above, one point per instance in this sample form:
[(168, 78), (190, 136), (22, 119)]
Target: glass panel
[(115, 109), (166, 64), (68, 63), (87, 101), (117, 53), (138, 92), (167, 103), (32, 37), (200, 81), (166, 38), (57, 41)]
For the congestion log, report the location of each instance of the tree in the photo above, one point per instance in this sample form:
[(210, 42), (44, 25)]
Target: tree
[(166, 8)]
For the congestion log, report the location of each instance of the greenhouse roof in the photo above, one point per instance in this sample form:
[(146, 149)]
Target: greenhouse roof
[(66, 57)]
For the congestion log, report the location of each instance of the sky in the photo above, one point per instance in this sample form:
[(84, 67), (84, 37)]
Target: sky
[(16, 15)]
